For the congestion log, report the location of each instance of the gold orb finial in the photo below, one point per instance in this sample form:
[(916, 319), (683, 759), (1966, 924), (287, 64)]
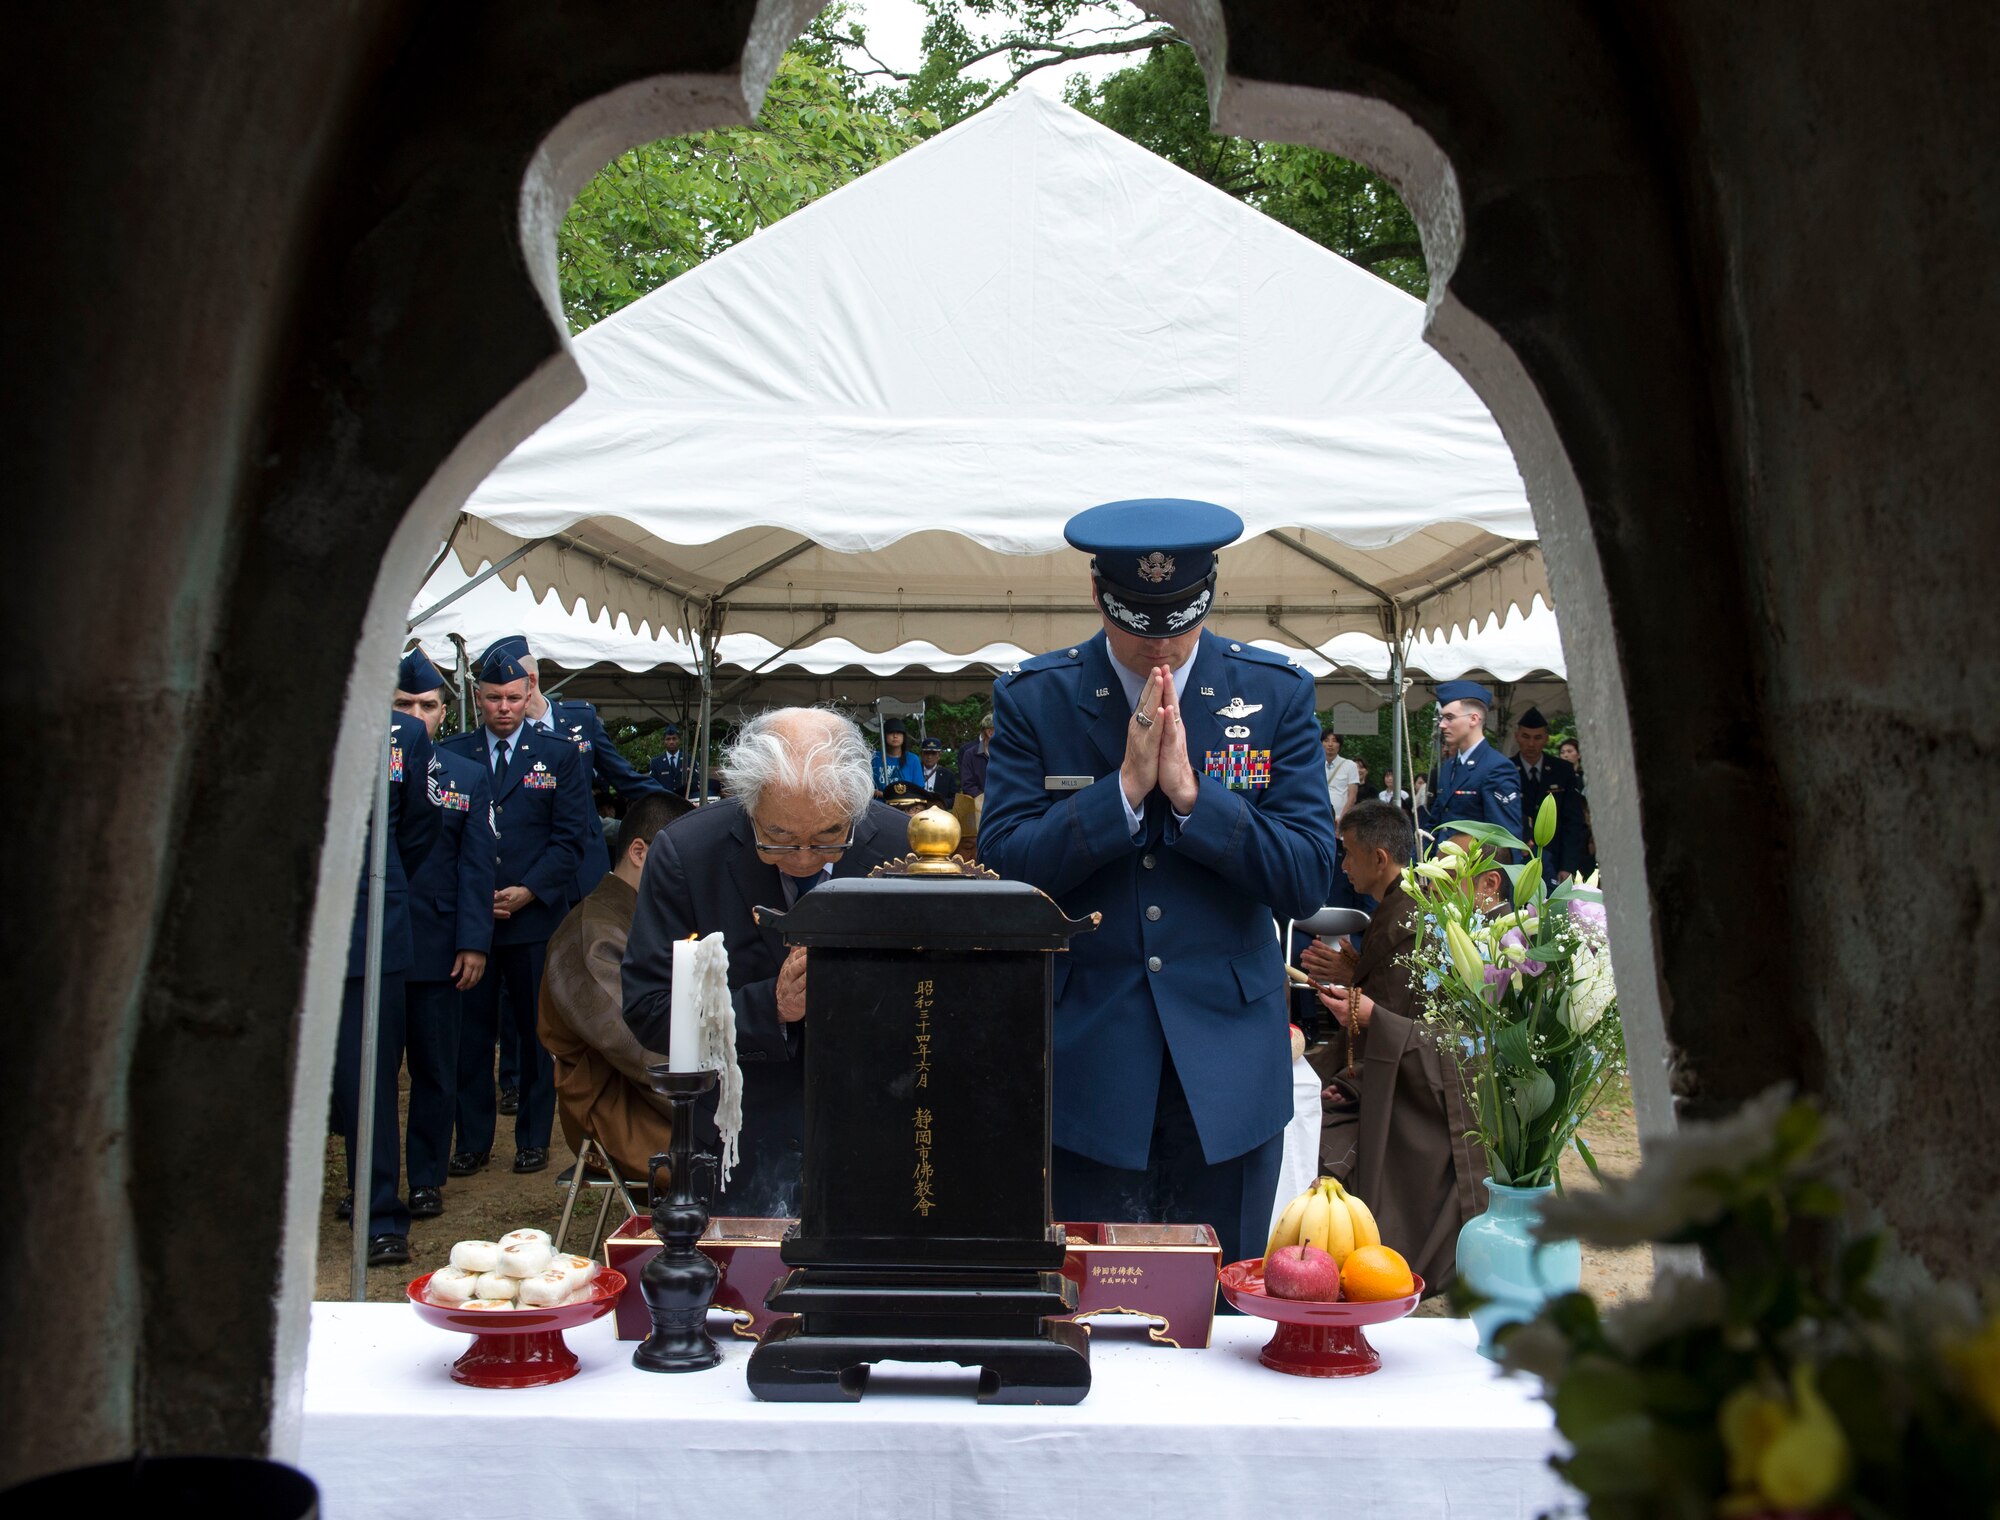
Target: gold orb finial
[(933, 836)]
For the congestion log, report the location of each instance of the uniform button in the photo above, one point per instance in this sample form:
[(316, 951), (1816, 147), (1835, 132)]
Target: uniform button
[(1072, 654), (1146, 861), (1153, 913), (1236, 649), (1152, 963)]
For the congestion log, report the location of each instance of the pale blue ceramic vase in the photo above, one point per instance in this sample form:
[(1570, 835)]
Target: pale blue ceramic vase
[(1499, 1258)]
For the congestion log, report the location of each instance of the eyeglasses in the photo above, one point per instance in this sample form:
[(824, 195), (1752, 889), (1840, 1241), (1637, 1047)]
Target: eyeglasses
[(841, 848)]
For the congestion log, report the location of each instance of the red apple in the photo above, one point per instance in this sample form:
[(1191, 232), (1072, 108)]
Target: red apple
[(1302, 1272)]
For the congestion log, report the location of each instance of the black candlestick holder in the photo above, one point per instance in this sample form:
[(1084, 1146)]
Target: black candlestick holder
[(679, 1282)]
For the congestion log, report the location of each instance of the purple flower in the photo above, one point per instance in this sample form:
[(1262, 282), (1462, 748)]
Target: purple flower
[(1589, 914), (1515, 939)]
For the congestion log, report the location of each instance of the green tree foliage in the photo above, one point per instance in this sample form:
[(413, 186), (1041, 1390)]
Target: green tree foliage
[(1163, 105), (833, 112), (659, 209)]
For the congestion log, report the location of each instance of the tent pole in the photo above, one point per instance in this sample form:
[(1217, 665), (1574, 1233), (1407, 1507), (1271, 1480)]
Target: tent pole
[(711, 635), (464, 680), (363, 1156)]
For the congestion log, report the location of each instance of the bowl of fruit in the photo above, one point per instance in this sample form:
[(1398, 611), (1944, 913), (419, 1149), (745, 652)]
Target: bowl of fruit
[(1324, 1275)]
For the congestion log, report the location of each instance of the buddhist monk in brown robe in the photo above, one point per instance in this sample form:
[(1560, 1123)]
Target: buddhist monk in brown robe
[(1395, 1130), (602, 1089)]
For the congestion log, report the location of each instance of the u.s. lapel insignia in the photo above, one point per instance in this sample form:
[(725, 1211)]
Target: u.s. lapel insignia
[(1238, 708), (1104, 691), (1208, 691), (1237, 731)]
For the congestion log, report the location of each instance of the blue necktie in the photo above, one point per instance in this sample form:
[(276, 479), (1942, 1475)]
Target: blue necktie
[(499, 765)]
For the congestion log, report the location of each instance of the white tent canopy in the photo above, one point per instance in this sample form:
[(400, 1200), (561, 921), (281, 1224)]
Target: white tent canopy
[(872, 419)]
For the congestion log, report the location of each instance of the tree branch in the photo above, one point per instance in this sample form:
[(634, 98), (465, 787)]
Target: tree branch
[(861, 46), (1149, 43), (1381, 253)]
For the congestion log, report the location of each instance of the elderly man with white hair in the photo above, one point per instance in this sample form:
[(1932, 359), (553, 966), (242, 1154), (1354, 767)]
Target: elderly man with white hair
[(800, 810)]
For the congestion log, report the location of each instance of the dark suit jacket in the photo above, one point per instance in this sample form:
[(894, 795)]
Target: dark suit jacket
[(1558, 779), (945, 793), (703, 875)]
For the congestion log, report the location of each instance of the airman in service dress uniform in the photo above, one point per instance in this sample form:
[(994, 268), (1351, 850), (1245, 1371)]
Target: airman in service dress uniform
[(1475, 781), (1172, 781), (541, 809), (670, 767), (1547, 775), (603, 765), (451, 931), (413, 829)]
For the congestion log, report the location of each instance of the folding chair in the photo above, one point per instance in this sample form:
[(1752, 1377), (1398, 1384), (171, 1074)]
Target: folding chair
[(579, 1177)]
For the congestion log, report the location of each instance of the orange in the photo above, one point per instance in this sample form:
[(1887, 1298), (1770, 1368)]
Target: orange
[(1373, 1273)]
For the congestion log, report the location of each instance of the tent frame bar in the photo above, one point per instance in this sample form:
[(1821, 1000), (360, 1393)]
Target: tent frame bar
[(478, 580), (1326, 562), (756, 670), (764, 569)]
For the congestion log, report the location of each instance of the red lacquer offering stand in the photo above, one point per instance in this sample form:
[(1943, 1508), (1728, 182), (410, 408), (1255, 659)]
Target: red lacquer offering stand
[(517, 1348), (1313, 1339)]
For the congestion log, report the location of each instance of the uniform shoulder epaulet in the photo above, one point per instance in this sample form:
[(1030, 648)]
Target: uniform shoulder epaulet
[(1256, 656), (1055, 659)]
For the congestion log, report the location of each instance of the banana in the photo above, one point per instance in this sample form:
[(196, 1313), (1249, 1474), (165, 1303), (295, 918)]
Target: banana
[(1316, 1225), (1337, 1239), (1366, 1231), (1286, 1231)]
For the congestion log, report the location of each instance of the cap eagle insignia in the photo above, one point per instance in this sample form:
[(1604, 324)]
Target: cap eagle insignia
[(1156, 568)]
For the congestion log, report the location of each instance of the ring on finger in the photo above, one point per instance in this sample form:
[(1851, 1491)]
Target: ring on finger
[(1142, 720)]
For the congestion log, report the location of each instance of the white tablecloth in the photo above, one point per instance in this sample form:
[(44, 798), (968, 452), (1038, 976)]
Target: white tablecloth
[(1204, 1434)]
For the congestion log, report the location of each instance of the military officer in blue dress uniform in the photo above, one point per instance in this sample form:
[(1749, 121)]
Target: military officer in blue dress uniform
[(412, 825), (670, 767), (1546, 775), (451, 930), (1475, 781), (603, 765), (541, 810), (1170, 780)]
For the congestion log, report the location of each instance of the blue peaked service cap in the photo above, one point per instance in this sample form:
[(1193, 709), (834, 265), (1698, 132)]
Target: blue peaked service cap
[(1463, 691), (1153, 560), (513, 645), (417, 675), (503, 661)]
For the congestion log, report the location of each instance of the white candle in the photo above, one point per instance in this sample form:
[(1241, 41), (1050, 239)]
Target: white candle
[(684, 1028)]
